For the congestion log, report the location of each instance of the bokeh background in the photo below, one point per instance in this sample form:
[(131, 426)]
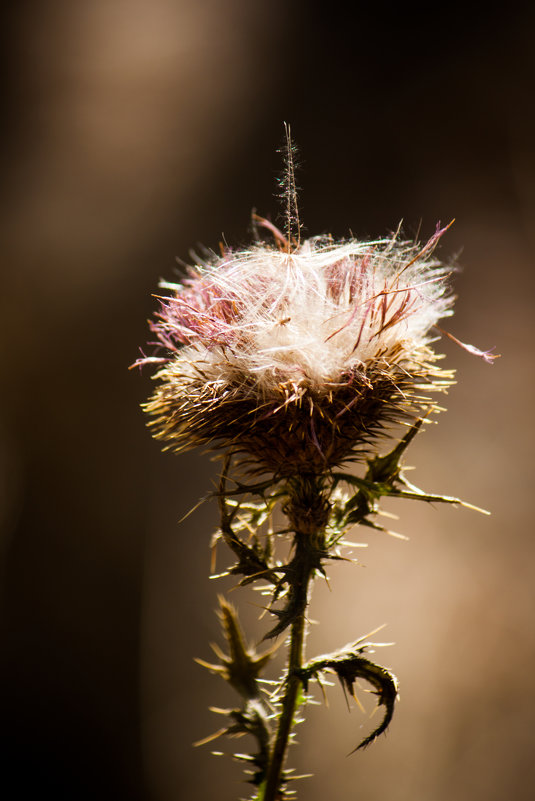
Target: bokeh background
[(136, 131)]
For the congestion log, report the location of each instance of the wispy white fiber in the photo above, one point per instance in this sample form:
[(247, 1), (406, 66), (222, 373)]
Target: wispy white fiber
[(309, 316)]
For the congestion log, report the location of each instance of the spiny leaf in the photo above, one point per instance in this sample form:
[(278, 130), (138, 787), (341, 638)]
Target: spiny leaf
[(242, 667), (349, 665)]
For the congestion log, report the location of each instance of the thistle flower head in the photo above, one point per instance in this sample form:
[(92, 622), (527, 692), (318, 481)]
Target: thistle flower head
[(298, 357)]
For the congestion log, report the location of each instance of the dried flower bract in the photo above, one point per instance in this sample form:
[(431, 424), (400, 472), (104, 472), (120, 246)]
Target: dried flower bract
[(299, 357)]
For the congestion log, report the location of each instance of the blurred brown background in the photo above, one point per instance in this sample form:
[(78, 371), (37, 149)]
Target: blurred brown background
[(138, 130)]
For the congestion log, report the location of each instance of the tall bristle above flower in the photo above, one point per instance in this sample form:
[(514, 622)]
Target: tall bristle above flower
[(299, 359), (289, 192)]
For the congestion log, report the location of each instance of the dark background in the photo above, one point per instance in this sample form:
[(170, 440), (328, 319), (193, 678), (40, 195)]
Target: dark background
[(138, 130)]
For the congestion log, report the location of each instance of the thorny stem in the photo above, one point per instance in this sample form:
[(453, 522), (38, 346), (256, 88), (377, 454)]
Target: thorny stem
[(303, 564), (289, 706), (317, 519)]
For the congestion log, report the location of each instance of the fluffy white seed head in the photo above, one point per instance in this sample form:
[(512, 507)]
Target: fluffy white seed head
[(312, 316), (299, 358)]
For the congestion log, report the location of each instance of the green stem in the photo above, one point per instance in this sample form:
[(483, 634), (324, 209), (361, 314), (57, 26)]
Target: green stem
[(304, 572)]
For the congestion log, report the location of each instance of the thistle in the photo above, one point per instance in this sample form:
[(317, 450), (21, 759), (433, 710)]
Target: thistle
[(293, 360)]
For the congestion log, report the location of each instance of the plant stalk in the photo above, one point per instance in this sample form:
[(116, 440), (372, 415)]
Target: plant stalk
[(304, 569)]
